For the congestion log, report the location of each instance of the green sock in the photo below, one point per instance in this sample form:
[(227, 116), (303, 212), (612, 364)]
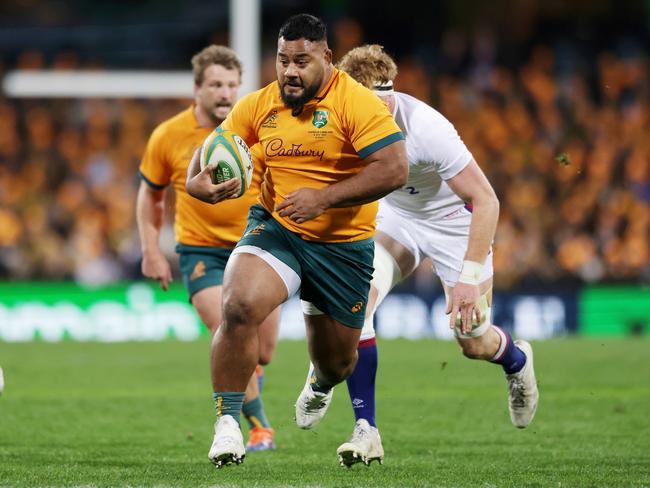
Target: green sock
[(254, 413), (228, 403), (319, 385)]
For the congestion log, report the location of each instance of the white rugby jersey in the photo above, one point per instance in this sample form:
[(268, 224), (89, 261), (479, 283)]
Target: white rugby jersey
[(435, 153)]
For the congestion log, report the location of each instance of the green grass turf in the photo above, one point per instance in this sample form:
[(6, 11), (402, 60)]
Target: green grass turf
[(141, 415)]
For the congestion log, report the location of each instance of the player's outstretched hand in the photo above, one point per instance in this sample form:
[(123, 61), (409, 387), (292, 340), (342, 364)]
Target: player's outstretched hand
[(156, 267), (464, 305), (302, 205), (199, 183)]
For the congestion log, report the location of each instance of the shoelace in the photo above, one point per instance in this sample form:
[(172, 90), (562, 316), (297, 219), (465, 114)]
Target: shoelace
[(518, 392), (359, 433)]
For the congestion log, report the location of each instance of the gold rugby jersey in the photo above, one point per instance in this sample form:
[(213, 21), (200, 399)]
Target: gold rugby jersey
[(325, 144), (166, 158)]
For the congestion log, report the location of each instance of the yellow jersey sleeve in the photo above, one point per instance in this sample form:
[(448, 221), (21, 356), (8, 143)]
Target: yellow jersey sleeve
[(155, 167), (242, 119), (371, 126)]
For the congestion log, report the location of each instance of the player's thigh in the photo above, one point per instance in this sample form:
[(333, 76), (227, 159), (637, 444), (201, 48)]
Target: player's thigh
[(202, 266), (445, 242), (336, 280), (262, 271), (202, 270), (252, 289), (396, 235), (332, 345), (387, 268), (207, 303), (268, 336)]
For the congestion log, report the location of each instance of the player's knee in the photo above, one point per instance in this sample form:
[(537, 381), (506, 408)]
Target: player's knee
[(238, 311), (334, 376), (266, 354), (337, 370)]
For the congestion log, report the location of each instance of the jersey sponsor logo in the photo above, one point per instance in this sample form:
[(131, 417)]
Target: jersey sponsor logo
[(320, 118), (271, 121), (277, 147), (356, 307), (198, 271)]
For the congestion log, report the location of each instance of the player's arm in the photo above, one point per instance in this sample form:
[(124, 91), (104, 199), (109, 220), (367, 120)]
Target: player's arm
[(198, 183), (473, 187), (386, 170), (150, 214)]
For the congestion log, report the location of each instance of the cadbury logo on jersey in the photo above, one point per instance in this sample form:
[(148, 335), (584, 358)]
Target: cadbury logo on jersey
[(277, 147)]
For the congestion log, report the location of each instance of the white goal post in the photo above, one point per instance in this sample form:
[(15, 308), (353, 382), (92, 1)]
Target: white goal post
[(245, 38)]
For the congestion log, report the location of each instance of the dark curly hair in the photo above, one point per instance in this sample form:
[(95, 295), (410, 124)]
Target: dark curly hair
[(303, 26)]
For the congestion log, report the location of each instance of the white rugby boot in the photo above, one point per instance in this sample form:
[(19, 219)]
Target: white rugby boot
[(363, 447), (311, 405), (228, 444), (522, 390)]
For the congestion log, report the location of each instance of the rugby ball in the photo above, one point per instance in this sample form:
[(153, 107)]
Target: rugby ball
[(231, 155)]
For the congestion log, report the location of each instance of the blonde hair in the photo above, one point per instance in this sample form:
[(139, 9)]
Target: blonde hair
[(369, 65), (220, 55)]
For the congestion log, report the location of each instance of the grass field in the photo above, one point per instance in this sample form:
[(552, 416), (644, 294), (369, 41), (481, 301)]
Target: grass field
[(141, 415)]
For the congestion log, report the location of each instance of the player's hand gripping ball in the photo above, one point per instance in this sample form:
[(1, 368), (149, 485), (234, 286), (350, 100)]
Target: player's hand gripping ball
[(231, 157)]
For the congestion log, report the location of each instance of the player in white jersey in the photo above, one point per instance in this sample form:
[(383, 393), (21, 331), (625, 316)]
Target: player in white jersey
[(447, 211)]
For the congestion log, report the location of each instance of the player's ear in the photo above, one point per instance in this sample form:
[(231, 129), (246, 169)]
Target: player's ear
[(328, 55)]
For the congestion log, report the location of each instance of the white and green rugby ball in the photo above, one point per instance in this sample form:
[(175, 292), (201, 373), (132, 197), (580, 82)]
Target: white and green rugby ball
[(231, 155)]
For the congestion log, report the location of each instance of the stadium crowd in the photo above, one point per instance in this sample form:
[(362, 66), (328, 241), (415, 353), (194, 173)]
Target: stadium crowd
[(564, 144)]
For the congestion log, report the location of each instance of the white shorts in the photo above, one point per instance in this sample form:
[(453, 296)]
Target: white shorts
[(443, 240)]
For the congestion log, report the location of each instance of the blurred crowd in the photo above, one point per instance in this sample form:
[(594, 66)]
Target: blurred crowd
[(567, 149)]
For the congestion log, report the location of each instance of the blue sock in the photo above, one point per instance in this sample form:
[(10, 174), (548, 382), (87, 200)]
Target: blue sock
[(509, 356), (361, 383), (228, 403)]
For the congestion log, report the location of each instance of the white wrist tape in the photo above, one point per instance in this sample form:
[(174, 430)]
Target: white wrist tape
[(471, 273)]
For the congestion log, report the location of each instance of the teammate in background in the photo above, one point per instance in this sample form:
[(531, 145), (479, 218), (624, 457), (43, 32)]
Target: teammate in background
[(331, 147), (447, 211), (206, 235)]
